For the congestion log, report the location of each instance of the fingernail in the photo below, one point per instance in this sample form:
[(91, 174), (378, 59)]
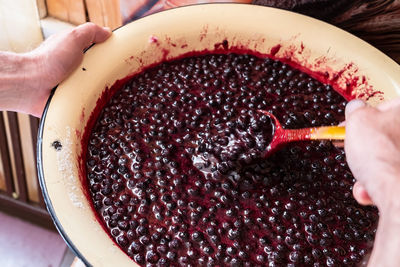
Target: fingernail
[(354, 105), (107, 29)]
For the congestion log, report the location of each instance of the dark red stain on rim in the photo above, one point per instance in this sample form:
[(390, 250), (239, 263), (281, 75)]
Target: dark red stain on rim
[(275, 49)]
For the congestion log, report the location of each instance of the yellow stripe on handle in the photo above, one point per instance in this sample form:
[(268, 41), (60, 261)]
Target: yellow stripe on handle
[(328, 132)]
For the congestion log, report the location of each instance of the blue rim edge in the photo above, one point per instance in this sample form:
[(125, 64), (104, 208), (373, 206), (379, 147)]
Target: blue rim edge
[(47, 201), (39, 160)]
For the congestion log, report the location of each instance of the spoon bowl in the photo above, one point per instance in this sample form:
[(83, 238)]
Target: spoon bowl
[(281, 136)]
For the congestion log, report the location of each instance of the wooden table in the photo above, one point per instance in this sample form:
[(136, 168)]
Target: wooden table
[(375, 21)]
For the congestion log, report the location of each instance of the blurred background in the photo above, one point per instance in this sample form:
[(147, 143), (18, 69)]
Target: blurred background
[(27, 234)]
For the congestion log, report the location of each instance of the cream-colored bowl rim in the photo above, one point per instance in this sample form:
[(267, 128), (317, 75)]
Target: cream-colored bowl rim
[(168, 34)]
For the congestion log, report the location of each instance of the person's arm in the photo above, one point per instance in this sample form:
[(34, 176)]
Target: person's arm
[(372, 148), (27, 79), (17, 72)]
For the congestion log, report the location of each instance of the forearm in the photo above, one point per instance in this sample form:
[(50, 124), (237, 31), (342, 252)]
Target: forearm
[(386, 250), (19, 76)]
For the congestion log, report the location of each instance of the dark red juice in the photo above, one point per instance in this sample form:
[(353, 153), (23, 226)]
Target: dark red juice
[(176, 173)]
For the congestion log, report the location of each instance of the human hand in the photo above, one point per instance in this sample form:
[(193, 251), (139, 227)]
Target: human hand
[(372, 148), (52, 62)]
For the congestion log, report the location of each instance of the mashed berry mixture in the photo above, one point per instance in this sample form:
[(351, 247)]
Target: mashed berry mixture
[(176, 172)]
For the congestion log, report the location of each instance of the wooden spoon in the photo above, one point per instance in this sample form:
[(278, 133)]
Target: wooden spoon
[(283, 136)]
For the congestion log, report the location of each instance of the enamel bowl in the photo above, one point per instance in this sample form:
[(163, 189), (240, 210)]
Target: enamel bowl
[(318, 46)]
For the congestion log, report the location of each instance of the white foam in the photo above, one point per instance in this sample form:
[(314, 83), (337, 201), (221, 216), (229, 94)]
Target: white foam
[(65, 162)]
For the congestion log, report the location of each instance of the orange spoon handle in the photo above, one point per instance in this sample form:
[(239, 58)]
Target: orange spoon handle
[(316, 133), (328, 132)]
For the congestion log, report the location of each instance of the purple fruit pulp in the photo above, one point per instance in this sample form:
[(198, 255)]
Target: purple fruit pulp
[(176, 173)]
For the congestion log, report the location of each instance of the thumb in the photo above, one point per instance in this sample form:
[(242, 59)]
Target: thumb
[(353, 105), (86, 34)]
